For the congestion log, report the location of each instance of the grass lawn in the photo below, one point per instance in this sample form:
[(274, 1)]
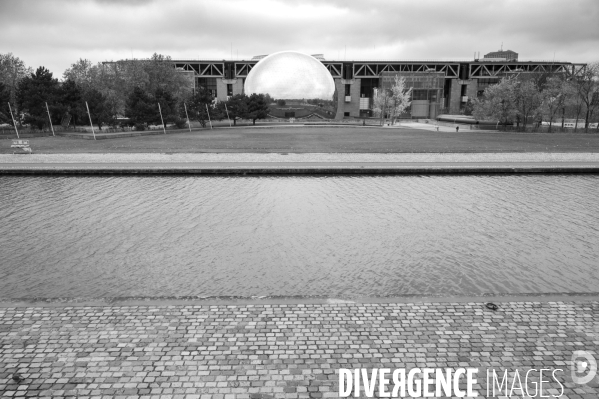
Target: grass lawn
[(323, 139)]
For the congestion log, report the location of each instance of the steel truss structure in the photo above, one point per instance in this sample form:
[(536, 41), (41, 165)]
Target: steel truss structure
[(205, 69), (375, 69), (496, 69), (360, 69)]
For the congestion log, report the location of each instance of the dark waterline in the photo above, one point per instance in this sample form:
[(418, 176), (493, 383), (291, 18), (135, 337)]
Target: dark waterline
[(298, 236)]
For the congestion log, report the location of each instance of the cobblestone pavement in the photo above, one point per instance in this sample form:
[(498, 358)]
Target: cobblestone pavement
[(282, 351)]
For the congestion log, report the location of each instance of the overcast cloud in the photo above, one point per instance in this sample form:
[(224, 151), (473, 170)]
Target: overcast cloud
[(56, 33)]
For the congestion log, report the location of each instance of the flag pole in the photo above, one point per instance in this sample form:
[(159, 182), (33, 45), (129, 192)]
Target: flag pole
[(228, 115), (187, 115), (90, 120), (50, 119), (13, 120), (162, 120), (208, 116)]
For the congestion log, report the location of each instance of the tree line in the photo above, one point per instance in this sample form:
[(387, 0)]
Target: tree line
[(534, 98), (112, 91), (134, 88)]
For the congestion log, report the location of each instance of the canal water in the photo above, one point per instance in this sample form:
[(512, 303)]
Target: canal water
[(337, 236)]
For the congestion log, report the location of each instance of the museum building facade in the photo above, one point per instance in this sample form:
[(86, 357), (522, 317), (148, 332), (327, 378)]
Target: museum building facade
[(438, 86)]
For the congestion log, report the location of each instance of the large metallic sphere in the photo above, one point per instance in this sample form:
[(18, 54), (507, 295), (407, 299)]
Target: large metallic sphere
[(290, 75)]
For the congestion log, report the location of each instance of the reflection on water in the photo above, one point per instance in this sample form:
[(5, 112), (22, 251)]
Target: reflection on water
[(330, 236)]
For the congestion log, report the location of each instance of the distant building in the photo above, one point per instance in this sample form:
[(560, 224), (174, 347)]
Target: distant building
[(439, 86), (504, 55)]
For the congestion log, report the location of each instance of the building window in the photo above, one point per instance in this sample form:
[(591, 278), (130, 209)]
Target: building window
[(420, 95), (367, 85), (423, 94), (208, 84), (229, 89), (464, 88), (347, 72), (347, 90), (346, 114), (229, 70)]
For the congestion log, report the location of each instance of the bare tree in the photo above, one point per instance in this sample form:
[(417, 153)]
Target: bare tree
[(587, 85), (400, 97), (554, 96), (528, 101), (575, 104), (570, 98), (381, 101)]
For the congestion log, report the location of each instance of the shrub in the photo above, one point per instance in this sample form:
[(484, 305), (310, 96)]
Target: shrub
[(140, 127), (180, 123)]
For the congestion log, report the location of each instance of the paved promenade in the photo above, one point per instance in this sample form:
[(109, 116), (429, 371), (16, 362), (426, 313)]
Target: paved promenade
[(262, 351), (166, 158), (248, 163)]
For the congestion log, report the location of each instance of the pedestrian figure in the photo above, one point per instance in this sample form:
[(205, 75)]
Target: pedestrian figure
[(457, 129), (437, 128)]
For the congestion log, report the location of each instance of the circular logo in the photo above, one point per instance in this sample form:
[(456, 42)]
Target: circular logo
[(584, 367)]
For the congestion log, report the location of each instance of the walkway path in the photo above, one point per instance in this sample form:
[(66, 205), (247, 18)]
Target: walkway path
[(433, 126), (264, 351), (301, 163), (165, 158)]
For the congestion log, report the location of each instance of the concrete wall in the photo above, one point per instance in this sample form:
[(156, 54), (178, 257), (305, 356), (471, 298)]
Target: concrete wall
[(221, 90), (420, 109), (472, 89), (353, 107), (433, 110), (221, 87), (340, 89), (456, 96)]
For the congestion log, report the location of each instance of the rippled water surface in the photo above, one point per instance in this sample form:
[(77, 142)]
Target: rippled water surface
[(329, 236)]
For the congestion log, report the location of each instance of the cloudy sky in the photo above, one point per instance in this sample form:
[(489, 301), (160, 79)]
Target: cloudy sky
[(56, 33)]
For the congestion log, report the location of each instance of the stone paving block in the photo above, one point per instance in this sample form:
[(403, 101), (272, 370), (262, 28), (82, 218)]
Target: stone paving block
[(279, 351)]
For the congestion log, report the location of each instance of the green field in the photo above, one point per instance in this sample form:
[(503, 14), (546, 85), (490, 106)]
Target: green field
[(319, 139)]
